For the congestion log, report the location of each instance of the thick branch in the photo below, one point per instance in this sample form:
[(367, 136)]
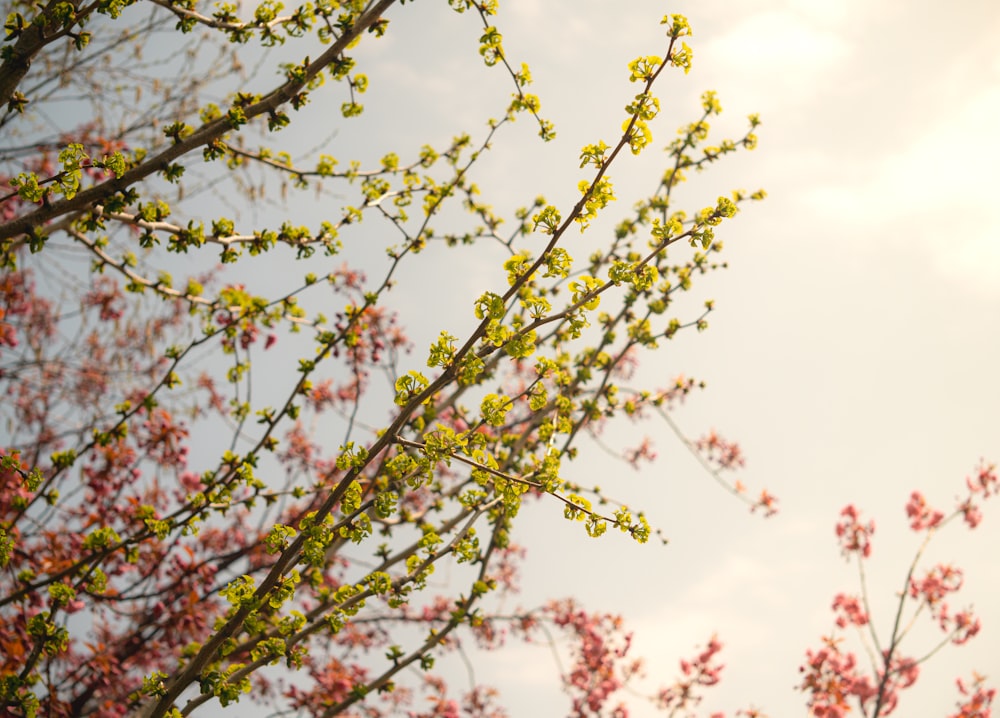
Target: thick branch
[(205, 135), (29, 43)]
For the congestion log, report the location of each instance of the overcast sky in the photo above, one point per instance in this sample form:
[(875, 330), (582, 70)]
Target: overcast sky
[(855, 348)]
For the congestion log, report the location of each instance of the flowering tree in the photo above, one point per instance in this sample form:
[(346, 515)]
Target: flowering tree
[(177, 530), (834, 681)]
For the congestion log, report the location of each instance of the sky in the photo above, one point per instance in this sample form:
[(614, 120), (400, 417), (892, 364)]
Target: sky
[(854, 348)]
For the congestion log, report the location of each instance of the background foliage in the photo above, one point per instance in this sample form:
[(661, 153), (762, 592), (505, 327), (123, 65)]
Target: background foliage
[(141, 574)]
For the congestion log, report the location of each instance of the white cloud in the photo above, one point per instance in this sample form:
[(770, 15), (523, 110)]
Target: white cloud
[(957, 160), (822, 12), (939, 193), (727, 600), (781, 50)]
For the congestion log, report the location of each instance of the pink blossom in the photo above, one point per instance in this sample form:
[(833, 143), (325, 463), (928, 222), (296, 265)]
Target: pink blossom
[(920, 514), (978, 699), (936, 584), (854, 536), (850, 609)]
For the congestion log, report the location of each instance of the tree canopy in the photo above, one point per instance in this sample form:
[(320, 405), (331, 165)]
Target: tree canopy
[(195, 506)]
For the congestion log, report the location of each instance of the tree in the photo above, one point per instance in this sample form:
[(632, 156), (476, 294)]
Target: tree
[(178, 529), (832, 677)]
